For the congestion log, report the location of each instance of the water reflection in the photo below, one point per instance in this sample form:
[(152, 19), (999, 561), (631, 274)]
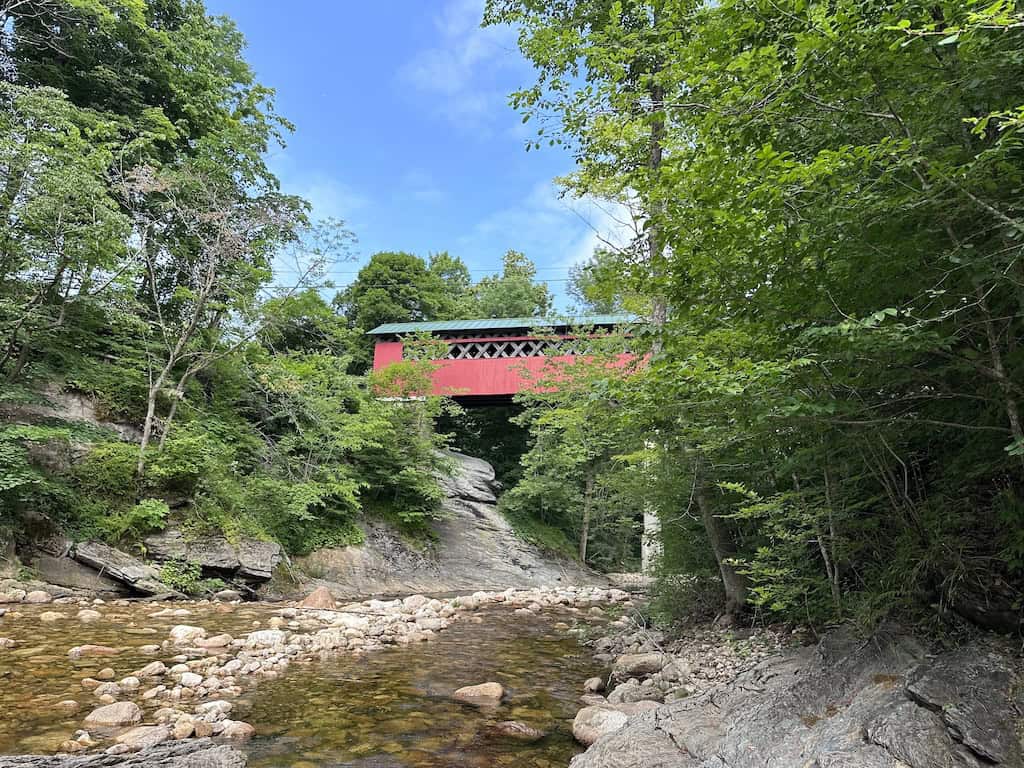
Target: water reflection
[(392, 707)]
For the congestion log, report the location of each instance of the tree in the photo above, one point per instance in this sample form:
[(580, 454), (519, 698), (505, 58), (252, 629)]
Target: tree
[(142, 241), (596, 286), (614, 117), (830, 185), (576, 476), (458, 286), (62, 232), (226, 243), (514, 293)]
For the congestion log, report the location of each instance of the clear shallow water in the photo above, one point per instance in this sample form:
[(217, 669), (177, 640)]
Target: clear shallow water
[(388, 708), (37, 673), (392, 708)]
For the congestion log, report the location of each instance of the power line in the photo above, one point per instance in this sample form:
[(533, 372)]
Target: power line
[(495, 272), (395, 285)]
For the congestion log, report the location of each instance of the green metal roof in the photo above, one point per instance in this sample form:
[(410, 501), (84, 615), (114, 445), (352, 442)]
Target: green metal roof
[(503, 323)]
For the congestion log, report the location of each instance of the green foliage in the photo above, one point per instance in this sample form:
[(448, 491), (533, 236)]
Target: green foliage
[(131, 523), (513, 293), (832, 234), (400, 288), (186, 576), (139, 232), (577, 477), (685, 597), (548, 537)]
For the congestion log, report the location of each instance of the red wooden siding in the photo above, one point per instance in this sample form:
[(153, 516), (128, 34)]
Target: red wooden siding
[(478, 377)]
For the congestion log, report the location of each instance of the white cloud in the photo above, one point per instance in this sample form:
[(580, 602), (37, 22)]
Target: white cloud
[(418, 185), (556, 232), (329, 198), (460, 71)]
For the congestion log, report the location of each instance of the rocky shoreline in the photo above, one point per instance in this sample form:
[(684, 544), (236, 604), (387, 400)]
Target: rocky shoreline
[(648, 668), (890, 700)]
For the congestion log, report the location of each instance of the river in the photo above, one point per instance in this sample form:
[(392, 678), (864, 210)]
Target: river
[(382, 708)]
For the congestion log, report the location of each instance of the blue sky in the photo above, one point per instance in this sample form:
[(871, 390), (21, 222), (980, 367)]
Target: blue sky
[(403, 130)]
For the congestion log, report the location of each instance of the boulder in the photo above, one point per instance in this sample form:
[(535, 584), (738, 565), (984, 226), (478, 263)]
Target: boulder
[(266, 638), (593, 685), (319, 599), (144, 737), (80, 651), (118, 713), (248, 559), (632, 691), (472, 480), (118, 565), (38, 596), (414, 602), (184, 727), (236, 729), (212, 553), (65, 572), (638, 665), (257, 559), (484, 694), (217, 641), (183, 634), (591, 723)]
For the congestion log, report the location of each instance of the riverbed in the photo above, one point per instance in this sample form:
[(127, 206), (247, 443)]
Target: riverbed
[(385, 708)]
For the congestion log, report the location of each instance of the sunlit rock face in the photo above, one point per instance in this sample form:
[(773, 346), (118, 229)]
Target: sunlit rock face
[(474, 548)]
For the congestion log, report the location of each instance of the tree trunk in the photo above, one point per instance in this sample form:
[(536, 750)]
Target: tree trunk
[(735, 583), (179, 395), (147, 425), (828, 552), (1010, 402), (588, 503)]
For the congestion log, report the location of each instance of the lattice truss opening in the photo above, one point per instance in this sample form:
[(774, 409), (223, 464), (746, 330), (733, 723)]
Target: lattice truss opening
[(498, 349)]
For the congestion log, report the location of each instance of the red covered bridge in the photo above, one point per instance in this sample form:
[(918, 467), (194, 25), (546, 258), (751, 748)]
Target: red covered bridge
[(486, 358)]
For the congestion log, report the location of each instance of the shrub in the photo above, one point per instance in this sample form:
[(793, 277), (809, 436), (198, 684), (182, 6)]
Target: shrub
[(186, 576), (134, 522)]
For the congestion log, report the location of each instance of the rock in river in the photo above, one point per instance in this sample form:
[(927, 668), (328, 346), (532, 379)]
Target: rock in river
[(183, 633), (118, 713), (480, 695), (514, 729), (144, 737), (320, 599), (594, 685), (80, 651)]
